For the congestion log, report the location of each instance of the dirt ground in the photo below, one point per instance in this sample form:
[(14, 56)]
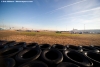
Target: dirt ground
[(51, 38)]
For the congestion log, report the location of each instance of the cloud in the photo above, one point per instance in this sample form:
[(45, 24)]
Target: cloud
[(85, 5), (93, 11), (65, 6), (90, 17), (81, 10), (97, 8)]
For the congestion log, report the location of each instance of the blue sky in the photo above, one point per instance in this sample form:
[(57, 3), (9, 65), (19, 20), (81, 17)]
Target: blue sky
[(51, 14)]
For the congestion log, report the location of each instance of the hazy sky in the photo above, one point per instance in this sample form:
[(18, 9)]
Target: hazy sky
[(51, 14)]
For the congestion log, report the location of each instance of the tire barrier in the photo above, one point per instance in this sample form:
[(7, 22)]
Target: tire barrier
[(59, 47), (72, 47), (22, 54), (32, 45), (94, 57), (2, 48), (9, 62), (45, 46), (34, 64), (10, 52), (21, 44), (89, 48), (29, 54), (2, 42), (10, 43), (52, 57), (77, 58), (97, 47), (67, 64)]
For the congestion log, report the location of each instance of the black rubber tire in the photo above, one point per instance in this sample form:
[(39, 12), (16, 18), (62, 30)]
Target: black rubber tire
[(2, 48), (52, 56), (94, 56), (67, 64), (72, 47), (32, 45), (45, 46), (9, 52), (10, 43), (2, 42), (89, 48), (77, 58), (59, 47), (10, 62), (21, 44), (34, 64), (97, 47), (29, 54), (7, 62)]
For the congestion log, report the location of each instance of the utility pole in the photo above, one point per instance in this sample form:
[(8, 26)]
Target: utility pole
[(84, 27)]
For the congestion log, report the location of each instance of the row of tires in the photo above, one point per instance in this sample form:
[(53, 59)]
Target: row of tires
[(21, 54)]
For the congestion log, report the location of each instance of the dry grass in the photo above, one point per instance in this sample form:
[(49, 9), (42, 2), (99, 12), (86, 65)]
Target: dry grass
[(51, 37)]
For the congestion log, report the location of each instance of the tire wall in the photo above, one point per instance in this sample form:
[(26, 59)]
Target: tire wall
[(22, 54)]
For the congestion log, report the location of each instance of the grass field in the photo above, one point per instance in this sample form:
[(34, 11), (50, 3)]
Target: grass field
[(51, 37)]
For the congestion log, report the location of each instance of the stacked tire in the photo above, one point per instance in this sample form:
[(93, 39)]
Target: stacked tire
[(77, 58), (52, 57), (22, 54)]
